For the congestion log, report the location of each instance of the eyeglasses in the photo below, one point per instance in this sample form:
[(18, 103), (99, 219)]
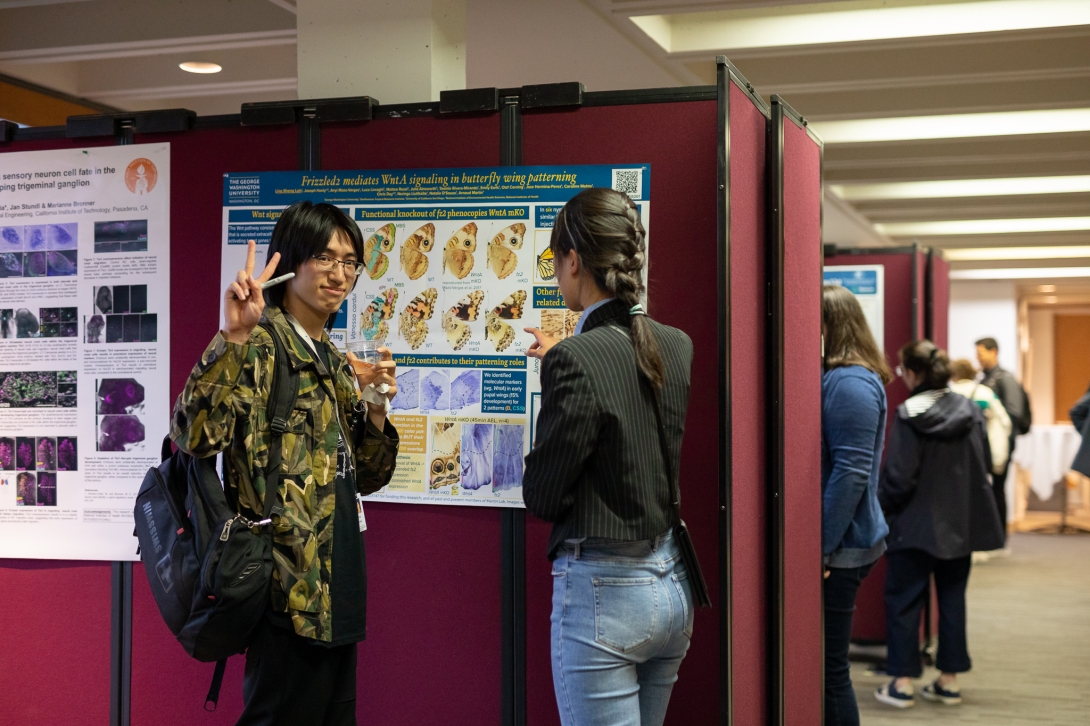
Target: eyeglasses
[(325, 263)]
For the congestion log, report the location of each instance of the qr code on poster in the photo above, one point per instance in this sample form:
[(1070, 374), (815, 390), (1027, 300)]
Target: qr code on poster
[(629, 181)]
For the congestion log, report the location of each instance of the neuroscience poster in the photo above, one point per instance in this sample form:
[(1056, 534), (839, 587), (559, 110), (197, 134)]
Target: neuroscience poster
[(84, 345), (457, 264), (867, 283)]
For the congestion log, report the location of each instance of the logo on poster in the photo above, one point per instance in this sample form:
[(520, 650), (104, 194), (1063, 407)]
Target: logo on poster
[(140, 176)]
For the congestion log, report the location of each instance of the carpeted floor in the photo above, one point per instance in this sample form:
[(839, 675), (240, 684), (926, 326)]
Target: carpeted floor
[(1029, 638)]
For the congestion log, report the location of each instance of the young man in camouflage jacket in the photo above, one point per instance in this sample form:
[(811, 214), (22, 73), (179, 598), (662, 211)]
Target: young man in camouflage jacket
[(301, 665)]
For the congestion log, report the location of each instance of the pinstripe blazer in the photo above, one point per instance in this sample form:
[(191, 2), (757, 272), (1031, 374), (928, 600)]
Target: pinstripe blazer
[(596, 469)]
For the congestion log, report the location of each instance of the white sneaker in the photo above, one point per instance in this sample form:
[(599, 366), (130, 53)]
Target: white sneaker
[(891, 696)]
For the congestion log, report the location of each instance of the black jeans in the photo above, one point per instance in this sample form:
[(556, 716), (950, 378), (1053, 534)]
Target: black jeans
[(291, 681), (906, 591), (840, 590)]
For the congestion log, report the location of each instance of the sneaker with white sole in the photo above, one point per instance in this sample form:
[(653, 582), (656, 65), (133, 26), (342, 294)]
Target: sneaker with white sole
[(891, 696), (949, 696)]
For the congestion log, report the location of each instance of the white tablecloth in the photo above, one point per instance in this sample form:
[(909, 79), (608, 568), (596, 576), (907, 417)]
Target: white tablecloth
[(1047, 452)]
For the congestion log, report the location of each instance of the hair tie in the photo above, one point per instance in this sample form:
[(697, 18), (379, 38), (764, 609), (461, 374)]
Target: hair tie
[(636, 309)]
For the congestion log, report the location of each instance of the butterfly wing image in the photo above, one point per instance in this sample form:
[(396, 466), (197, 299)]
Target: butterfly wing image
[(501, 257), (375, 262), (415, 249), (458, 253)]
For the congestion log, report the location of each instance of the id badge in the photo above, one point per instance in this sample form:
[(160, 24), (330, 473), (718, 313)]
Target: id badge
[(359, 511)]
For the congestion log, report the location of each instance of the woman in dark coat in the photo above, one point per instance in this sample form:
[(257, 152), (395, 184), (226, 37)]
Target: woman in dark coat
[(936, 495)]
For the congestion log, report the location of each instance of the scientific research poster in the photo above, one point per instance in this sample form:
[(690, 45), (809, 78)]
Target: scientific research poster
[(457, 264), (84, 345), (867, 283)]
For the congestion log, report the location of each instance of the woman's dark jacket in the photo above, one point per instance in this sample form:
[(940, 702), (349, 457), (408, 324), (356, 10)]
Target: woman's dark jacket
[(935, 488), (597, 469)]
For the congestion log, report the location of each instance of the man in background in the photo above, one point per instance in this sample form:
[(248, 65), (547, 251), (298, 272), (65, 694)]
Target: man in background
[(1014, 400)]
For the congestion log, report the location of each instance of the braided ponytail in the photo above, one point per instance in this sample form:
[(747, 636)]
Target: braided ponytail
[(603, 227)]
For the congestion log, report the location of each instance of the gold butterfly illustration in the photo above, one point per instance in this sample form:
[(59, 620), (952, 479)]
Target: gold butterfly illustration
[(458, 254), (458, 332), (414, 260), (546, 270), (501, 256), (413, 326), (381, 241), (496, 330), (446, 463)]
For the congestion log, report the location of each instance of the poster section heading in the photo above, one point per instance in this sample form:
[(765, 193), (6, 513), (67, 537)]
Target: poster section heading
[(456, 267), (84, 345)]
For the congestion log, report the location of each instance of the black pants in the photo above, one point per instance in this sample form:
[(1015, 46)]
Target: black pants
[(906, 591), (840, 590), (290, 681)]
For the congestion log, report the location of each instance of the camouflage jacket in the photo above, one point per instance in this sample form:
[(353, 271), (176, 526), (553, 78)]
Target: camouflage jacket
[(223, 409)]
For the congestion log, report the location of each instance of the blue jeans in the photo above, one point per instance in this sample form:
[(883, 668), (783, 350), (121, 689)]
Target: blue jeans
[(621, 623)]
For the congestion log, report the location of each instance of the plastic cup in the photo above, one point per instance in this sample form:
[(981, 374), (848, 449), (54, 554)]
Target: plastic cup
[(365, 350)]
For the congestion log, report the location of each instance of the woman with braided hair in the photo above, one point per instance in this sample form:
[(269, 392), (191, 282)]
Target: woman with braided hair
[(603, 470)]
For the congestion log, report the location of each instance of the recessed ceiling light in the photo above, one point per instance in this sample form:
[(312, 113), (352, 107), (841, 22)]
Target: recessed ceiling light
[(200, 67), (953, 126), (1015, 253), (984, 226), (1046, 288), (963, 188), (837, 22), (1019, 273)]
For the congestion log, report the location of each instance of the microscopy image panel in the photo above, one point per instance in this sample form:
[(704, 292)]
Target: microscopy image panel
[(34, 237), (94, 329), (508, 463), (408, 391), (115, 328), (26, 324), (138, 298), (104, 299), (149, 328), (11, 239), (47, 453), (49, 315), (28, 389), (50, 330), (62, 263), (7, 453), (7, 323), (121, 299), (26, 489), (47, 489), (69, 315), (11, 264), (121, 236), (67, 453), (120, 395), (120, 433), (34, 264), (132, 329), (62, 236), (476, 455), (25, 459)]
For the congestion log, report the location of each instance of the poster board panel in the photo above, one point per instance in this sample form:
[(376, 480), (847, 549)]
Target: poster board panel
[(65, 591), (748, 547), (803, 646), (679, 141)]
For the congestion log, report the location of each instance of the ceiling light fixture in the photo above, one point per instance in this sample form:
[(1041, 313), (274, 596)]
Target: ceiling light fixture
[(1046, 288), (984, 226), (963, 188), (1019, 273), (200, 67), (953, 126), (962, 254), (832, 22)]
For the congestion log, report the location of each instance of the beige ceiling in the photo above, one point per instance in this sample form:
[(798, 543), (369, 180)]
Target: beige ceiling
[(125, 53)]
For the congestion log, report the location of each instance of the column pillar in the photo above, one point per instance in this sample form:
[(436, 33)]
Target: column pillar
[(397, 51)]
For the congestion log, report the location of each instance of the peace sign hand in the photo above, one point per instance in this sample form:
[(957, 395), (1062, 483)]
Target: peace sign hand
[(243, 302)]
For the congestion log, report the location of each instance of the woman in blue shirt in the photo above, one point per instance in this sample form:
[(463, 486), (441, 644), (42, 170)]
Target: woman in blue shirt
[(853, 531)]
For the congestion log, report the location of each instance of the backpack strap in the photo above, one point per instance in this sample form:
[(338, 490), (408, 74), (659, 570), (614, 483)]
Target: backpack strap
[(283, 391)]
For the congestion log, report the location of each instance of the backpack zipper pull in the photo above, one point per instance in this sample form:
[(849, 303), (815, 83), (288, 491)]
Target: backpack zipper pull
[(226, 530)]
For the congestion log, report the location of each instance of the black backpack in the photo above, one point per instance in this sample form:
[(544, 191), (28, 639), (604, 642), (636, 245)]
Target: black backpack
[(1021, 426), (208, 566)]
